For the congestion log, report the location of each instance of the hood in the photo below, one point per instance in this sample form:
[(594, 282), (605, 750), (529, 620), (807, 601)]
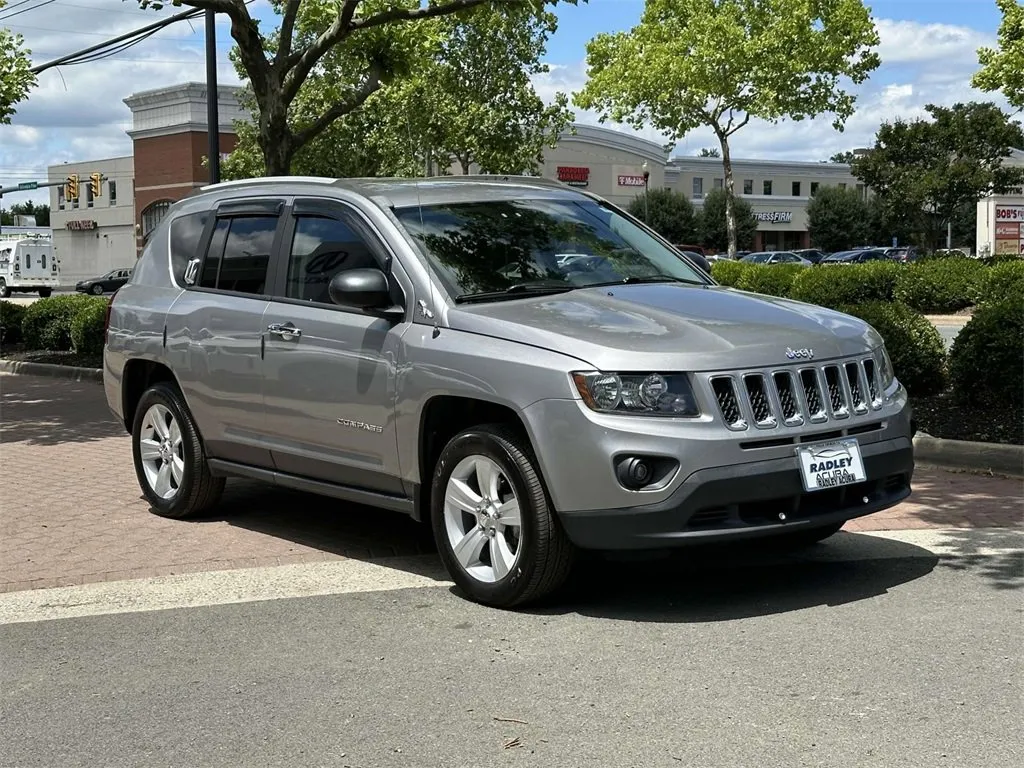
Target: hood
[(669, 327)]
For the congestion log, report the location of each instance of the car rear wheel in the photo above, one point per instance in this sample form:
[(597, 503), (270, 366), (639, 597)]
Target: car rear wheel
[(5, 289), (496, 532), (97, 290), (170, 460), (44, 293)]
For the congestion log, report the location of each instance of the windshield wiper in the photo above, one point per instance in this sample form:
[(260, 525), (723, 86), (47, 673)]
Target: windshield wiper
[(519, 289)]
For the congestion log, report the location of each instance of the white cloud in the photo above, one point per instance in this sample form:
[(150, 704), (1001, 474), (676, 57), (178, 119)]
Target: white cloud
[(904, 42)]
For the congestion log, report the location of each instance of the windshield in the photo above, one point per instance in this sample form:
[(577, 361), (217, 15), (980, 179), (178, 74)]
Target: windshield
[(842, 256), (494, 246), (757, 258)]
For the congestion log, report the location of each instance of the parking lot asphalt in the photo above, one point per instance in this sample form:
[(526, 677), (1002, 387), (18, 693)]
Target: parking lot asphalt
[(73, 512)]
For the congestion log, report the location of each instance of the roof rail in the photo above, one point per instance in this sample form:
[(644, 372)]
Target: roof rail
[(265, 179), (511, 177)]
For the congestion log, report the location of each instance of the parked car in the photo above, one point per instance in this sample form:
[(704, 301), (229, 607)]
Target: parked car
[(812, 255), (27, 265), (107, 283), (691, 248), (699, 259), (775, 257), (904, 255), (858, 256), (415, 345)]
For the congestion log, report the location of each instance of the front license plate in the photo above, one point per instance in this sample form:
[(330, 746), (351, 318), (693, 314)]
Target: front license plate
[(831, 465)]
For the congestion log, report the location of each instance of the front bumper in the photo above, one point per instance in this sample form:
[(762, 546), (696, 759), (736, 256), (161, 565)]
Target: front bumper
[(744, 501)]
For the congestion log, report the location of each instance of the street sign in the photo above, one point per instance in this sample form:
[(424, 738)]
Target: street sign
[(28, 185)]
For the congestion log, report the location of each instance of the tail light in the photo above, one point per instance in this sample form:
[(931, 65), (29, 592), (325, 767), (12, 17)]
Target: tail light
[(106, 316)]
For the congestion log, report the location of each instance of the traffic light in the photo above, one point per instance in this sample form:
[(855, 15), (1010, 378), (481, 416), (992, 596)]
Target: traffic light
[(96, 182), (71, 188)]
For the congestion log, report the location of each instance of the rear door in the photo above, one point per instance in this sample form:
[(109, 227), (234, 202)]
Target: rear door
[(215, 328), (329, 384)]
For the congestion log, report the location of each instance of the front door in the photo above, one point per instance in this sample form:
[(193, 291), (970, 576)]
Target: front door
[(329, 383)]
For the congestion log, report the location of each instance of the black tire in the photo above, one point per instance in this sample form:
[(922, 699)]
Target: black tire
[(5, 289), (44, 293), (546, 554), (199, 490), (806, 537), (96, 290)]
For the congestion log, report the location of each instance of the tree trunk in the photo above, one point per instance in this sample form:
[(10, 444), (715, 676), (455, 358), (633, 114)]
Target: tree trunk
[(276, 143), (730, 208), (465, 162)]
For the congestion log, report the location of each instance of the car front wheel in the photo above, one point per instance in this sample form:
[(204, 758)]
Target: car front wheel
[(496, 532), (170, 460), (97, 290)]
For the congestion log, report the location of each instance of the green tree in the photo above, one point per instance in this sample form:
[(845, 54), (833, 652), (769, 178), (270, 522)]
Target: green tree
[(842, 157), (709, 152), (887, 222), (838, 219), (373, 42), (1002, 68), (16, 79), (667, 212), (692, 63), (929, 170), (713, 227), (28, 208)]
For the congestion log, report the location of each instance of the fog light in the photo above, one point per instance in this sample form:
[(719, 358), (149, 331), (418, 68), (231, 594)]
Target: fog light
[(634, 473)]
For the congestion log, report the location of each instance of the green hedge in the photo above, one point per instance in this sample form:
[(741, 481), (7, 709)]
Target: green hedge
[(1001, 282), (11, 316), (914, 345), (837, 285), (47, 322), (728, 273), (986, 363), (940, 286), (88, 329), (769, 279)]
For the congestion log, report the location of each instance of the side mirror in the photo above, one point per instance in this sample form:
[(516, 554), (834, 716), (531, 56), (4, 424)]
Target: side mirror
[(360, 288)]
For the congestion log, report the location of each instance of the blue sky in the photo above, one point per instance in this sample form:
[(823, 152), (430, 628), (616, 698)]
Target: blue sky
[(928, 52)]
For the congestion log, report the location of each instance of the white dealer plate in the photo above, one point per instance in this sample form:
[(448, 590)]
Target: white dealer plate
[(831, 465)]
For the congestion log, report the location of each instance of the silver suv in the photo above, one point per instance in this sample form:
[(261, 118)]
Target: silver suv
[(521, 364)]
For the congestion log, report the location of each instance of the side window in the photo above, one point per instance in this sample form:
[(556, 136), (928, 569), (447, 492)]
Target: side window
[(28, 260), (186, 235), (43, 261), (321, 248), (239, 254)]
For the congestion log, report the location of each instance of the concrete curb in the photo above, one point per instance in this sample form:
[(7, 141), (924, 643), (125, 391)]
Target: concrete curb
[(962, 454), (51, 370)]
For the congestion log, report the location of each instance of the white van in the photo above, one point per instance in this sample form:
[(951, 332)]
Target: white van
[(28, 266)]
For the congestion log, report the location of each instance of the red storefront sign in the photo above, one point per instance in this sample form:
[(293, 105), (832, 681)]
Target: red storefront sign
[(1007, 231), (574, 176)]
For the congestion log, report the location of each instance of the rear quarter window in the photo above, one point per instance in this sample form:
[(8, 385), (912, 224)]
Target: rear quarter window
[(186, 237)]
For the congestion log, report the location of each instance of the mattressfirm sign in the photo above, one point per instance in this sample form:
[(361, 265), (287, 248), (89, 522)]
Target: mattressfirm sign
[(630, 180), (80, 225), (774, 217), (574, 176)]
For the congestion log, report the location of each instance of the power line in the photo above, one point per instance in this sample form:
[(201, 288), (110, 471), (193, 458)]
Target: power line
[(16, 5), (25, 10)]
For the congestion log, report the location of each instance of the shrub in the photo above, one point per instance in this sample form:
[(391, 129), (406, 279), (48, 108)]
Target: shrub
[(773, 280), (11, 316), (87, 329), (47, 322), (1001, 282), (841, 285), (728, 272), (914, 345), (942, 285), (985, 363)]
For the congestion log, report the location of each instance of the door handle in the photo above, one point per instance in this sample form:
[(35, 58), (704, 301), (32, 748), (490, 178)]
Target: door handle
[(284, 330)]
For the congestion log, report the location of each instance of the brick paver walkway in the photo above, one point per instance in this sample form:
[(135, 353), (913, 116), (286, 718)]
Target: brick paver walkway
[(71, 511)]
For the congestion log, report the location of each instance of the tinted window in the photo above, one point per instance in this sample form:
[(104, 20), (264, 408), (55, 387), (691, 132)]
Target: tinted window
[(186, 233), (320, 248), (28, 260), (239, 254), (43, 261), (481, 247)]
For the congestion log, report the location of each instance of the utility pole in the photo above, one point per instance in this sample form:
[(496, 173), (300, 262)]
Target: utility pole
[(212, 116)]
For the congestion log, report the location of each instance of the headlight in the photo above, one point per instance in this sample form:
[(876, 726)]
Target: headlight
[(885, 370), (650, 394)]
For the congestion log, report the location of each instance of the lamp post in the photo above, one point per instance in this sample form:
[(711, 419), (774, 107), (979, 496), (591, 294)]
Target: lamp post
[(647, 176)]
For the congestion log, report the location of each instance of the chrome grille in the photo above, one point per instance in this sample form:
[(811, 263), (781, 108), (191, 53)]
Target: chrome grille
[(794, 396)]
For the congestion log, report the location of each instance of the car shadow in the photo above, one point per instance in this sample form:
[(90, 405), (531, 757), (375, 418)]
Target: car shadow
[(40, 410), (726, 583)]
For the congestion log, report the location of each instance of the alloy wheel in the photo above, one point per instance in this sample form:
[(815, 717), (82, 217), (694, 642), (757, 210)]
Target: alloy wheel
[(161, 449), (482, 519)]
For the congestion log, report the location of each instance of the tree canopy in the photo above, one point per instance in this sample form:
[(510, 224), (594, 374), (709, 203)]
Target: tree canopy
[(364, 44), (692, 63), (28, 208), (936, 168), (838, 219), (1002, 68), (468, 98), (16, 79), (667, 212)]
